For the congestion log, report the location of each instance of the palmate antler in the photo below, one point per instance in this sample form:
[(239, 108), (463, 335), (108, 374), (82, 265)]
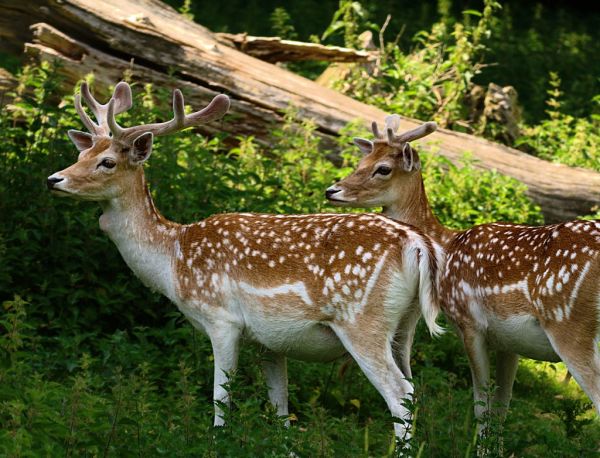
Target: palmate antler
[(121, 101), (392, 123), (215, 110)]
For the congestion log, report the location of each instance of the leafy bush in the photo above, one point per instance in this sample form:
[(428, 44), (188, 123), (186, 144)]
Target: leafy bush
[(432, 81), (564, 138), (462, 196)]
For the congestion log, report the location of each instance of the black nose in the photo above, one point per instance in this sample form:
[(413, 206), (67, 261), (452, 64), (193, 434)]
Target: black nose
[(331, 192), (52, 181)]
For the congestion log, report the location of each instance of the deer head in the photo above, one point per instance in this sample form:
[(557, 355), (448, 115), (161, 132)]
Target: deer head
[(388, 169), (110, 155)]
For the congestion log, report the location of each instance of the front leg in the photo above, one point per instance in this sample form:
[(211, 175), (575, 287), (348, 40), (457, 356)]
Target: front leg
[(226, 346), (275, 370)]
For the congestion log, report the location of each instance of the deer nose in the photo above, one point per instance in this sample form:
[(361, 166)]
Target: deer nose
[(331, 191), (52, 181)]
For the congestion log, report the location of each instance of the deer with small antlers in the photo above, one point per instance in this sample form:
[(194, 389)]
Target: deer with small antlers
[(511, 288), (312, 287)]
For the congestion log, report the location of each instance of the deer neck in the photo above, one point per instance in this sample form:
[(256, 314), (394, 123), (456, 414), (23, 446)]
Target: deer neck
[(147, 241), (413, 208)]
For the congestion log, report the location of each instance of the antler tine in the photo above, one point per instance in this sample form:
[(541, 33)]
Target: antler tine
[(178, 121), (216, 109), (390, 135), (87, 121), (116, 130), (420, 132), (91, 101), (392, 122), (375, 130)]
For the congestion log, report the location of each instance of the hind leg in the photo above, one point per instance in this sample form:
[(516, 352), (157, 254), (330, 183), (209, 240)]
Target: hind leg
[(580, 354), (506, 370), (372, 350), (479, 362), (403, 341)]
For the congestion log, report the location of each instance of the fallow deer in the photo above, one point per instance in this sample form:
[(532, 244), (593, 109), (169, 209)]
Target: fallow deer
[(312, 287), (515, 289)]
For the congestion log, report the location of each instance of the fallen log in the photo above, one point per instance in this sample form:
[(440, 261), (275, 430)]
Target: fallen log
[(275, 49), (160, 41), (77, 60)]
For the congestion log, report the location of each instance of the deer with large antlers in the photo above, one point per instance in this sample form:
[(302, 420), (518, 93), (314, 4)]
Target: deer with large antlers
[(515, 289), (312, 287)]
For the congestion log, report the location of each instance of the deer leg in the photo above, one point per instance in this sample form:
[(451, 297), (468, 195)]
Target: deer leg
[(275, 370), (372, 350), (476, 348), (581, 357), (506, 370), (403, 342), (225, 343)]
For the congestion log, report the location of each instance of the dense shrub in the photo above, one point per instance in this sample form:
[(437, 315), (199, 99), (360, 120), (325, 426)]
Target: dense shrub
[(562, 137)]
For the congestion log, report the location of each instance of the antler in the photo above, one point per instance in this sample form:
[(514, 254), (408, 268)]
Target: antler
[(122, 97), (392, 123), (215, 110), (419, 132)]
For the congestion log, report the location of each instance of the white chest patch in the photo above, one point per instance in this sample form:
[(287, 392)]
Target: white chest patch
[(153, 268)]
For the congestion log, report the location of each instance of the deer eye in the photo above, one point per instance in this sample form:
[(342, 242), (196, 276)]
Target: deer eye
[(107, 163), (383, 170)]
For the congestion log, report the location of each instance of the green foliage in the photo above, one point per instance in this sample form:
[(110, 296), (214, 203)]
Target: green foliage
[(350, 20), (186, 9), (431, 81), (531, 40), (92, 363), (462, 196), (281, 23), (562, 137)]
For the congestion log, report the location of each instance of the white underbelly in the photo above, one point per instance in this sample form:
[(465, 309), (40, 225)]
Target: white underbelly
[(299, 339), (521, 334)]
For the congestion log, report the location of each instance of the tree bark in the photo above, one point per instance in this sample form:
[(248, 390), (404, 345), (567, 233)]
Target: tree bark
[(163, 47)]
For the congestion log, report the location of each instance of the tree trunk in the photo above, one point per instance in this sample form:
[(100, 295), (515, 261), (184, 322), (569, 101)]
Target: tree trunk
[(161, 46)]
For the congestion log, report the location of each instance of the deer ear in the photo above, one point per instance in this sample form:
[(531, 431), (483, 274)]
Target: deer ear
[(122, 96), (410, 159), (365, 146), (82, 140), (141, 148)]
